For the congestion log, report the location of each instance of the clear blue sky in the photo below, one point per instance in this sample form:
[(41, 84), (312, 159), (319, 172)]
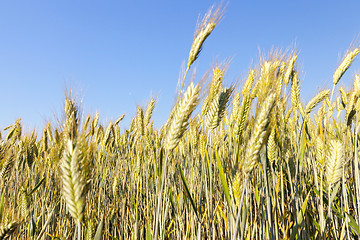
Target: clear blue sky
[(117, 54)]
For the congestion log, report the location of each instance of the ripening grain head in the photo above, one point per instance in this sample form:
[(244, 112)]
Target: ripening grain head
[(71, 118), (73, 180), (316, 100), (335, 162), (258, 136), (344, 65), (217, 108), (289, 69), (182, 114), (203, 30)]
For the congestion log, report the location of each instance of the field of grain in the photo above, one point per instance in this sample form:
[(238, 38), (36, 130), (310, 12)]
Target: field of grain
[(245, 161)]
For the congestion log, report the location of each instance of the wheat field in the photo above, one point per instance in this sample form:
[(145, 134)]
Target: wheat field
[(244, 161)]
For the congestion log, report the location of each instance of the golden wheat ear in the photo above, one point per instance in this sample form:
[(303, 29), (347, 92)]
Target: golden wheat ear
[(6, 167), (289, 69), (181, 116), (149, 112), (316, 100), (71, 124), (258, 137), (344, 65), (217, 108), (203, 30)]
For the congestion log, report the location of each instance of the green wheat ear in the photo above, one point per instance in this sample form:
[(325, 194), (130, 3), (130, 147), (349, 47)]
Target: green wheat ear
[(73, 180)]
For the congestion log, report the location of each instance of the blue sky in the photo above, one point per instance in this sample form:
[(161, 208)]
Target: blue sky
[(117, 54)]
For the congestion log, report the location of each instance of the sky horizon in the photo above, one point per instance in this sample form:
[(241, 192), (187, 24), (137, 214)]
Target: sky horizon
[(116, 55)]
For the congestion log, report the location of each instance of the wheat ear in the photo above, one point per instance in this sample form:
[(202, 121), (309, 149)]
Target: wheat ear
[(182, 114), (214, 90), (295, 92), (320, 150), (7, 230), (259, 132), (271, 146), (316, 100), (119, 120), (344, 65), (203, 30), (248, 84), (217, 109), (149, 111), (72, 118), (7, 167), (335, 162), (73, 180), (243, 114), (289, 69), (140, 121)]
